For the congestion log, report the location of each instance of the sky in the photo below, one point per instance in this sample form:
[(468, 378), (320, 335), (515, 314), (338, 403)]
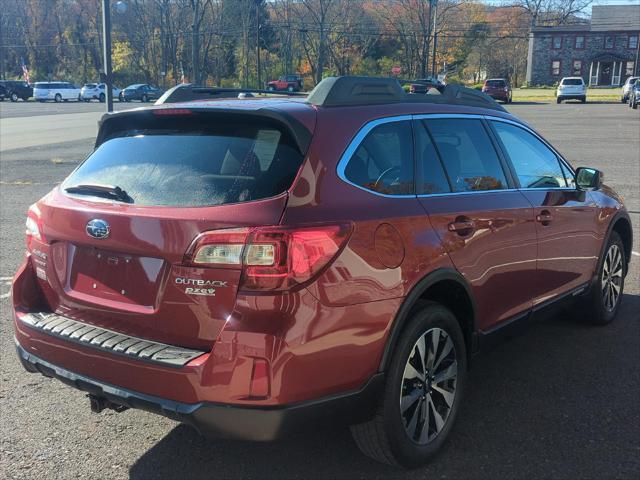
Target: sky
[(587, 11)]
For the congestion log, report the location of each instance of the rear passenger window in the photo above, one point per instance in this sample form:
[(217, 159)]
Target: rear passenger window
[(383, 162), (536, 165), (467, 154), (432, 178)]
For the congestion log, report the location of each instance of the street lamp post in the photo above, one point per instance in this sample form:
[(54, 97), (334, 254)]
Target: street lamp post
[(106, 44)]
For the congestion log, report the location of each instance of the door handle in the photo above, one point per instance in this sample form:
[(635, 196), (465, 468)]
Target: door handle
[(544, 217), (462, 226)]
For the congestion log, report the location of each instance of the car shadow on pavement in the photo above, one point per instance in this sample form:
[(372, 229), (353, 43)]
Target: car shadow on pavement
[(537, 405)]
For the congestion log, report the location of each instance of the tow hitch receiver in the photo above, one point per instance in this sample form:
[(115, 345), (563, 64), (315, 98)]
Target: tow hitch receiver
[(98, 404)]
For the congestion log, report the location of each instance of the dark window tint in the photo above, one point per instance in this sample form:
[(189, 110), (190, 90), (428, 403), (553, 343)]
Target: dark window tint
[(535, 164), (432, 178), (572, 81), (383, 162), (195, 164), (467, 153), (495, 83)]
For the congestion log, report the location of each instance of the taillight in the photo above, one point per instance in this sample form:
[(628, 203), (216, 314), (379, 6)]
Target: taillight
[(33, 226), (271, 258), (172, 111)]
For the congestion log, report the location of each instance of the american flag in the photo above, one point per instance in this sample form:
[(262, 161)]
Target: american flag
[(25, 71)]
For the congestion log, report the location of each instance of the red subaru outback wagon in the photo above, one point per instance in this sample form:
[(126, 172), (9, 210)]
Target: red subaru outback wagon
[(250, 267)]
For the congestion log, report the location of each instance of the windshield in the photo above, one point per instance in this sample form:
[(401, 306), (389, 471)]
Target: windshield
[(572, 81), (495, 83), (194, 165)]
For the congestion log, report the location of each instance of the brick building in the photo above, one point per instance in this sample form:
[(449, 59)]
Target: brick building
[(604, 52)]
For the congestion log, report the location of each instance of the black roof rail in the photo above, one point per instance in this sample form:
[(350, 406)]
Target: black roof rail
[(342, 91), (185, 92)]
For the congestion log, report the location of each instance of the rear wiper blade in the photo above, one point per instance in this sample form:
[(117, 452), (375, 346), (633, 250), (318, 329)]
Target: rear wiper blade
[(107, 191)]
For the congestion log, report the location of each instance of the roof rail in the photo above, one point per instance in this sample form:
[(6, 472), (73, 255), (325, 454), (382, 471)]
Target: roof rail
[(185, 92), (342, 91)]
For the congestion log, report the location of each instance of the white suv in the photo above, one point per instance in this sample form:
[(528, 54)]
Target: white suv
[(571, 88), (56, 91), (627, 88), (91, 91)]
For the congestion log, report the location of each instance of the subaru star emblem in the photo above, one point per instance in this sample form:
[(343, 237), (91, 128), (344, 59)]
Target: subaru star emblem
[(97, 228)]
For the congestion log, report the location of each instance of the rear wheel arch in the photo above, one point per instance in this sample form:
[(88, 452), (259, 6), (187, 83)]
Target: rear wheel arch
[(446, 287)]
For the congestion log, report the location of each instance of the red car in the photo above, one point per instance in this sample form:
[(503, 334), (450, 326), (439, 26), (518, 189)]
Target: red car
[(289, 83), (254, 267), (498, 89)]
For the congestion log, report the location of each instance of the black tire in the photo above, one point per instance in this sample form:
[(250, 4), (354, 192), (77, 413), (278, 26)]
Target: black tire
[(271, 88), (593, 308), (583, 99), (14, 97), (102, 98), (57, 98), (634, 103), (559, 100), (290, 89), (144, 98), (385, 437), (623, 99)]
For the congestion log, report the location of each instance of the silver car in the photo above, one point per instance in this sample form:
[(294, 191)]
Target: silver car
[(626, 88)]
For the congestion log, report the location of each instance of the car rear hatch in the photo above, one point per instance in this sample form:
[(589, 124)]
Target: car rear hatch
[(122, 227), (572, 87)]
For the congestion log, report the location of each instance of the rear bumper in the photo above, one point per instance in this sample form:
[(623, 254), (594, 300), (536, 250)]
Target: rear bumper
[(498, 95), (213, 419), (572, 96)]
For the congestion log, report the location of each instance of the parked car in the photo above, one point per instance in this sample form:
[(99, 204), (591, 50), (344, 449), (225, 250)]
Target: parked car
[(423, 85), (141, 91), (255, 270), (56, 91), (97, 91), (626, 88), (17, 89), (634, 95), (290, 83), (498, 89), (571, 88), (3, 93)]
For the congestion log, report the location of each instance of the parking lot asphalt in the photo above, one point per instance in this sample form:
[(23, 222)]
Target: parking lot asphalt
[(561, 400)]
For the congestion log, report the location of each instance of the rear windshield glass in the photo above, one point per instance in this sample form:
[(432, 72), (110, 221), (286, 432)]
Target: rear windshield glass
[(495, 83), (572, 81), (90, 85), (194, 165)]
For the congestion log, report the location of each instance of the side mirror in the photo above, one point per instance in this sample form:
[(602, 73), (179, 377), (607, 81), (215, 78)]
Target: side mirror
[(589, 178)]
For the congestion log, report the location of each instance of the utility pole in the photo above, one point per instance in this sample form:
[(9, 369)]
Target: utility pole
[(106, 40), (258, 43), (434, 6)]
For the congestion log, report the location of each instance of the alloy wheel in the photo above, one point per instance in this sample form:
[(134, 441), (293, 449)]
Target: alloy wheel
[(428, 386), (611, 279)]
